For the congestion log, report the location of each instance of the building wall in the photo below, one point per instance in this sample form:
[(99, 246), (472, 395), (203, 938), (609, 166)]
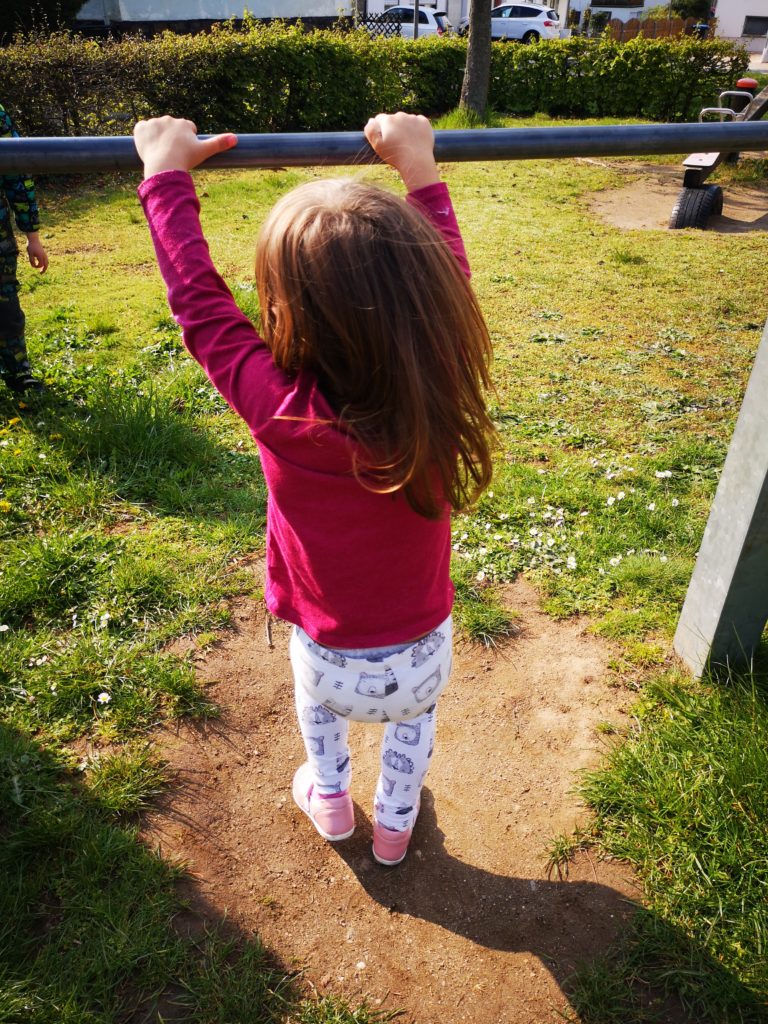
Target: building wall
[(206, 10), (100, 10), (455, 9), (621, 13), (731, 14)]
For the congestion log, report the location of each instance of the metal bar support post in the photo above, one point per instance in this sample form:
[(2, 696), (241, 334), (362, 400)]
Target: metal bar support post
[(726, 607)]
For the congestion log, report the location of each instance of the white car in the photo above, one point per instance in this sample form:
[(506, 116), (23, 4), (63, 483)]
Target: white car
[(527, 22), (431, 22)]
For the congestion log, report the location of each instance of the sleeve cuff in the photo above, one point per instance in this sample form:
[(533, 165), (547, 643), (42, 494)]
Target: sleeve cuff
[(430, 193), (158, 181)]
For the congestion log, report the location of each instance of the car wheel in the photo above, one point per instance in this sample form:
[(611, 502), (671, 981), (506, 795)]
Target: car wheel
[(531, 37), (695, 206)]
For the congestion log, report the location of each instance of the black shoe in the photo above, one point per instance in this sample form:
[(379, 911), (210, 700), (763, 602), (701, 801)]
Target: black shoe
[(24, 382)]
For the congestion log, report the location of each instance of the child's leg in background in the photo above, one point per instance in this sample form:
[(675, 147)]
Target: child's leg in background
[(13, 351), (325, 738), (405, 754)]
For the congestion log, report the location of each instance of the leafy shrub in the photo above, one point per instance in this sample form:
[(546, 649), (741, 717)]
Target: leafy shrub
[(270, 78), (660, 79)]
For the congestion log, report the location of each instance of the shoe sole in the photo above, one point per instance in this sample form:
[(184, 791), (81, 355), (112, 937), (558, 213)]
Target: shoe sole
[(388, 863)]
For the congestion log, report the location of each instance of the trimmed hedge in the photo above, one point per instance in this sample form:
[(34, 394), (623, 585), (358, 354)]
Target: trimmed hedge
[(280, 78)]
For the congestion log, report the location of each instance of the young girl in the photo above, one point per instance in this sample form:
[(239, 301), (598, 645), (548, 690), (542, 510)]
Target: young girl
[(365, 398)]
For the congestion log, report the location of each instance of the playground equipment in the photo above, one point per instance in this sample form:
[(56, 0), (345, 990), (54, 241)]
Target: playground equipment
[(86, 155), (697, 201), (726, 607)]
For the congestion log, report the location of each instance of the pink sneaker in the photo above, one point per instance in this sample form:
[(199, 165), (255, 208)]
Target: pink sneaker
[(334, 817), (390, 847)]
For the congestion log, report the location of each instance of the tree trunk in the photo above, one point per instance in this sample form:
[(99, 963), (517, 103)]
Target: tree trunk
[(477, 73)]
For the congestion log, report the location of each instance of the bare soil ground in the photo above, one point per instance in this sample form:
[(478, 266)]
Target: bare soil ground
[(469, 927), (647, 201)]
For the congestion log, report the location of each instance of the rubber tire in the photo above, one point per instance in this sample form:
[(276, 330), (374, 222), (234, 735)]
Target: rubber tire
[(695, 206), (530, 37)]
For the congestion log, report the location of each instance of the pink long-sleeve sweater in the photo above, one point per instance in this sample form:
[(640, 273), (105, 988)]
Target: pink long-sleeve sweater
[(352, 568)]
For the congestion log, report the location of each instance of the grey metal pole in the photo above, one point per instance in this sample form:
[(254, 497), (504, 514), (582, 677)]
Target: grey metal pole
[(726, 607), (84, 155), (416, 19)]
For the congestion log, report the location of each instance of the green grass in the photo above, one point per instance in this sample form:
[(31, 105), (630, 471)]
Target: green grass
[(464, 118), (87, 911), (682, 799), (130, 492)]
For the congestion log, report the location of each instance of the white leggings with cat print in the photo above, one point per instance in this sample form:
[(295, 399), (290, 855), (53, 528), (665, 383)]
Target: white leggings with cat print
[(397, 685)]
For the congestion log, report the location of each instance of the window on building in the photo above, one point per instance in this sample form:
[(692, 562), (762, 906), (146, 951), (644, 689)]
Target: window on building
[(755, 27)]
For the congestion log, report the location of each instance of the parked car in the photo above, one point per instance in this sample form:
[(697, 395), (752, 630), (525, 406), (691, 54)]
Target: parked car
[(431, 22), (527, 22)]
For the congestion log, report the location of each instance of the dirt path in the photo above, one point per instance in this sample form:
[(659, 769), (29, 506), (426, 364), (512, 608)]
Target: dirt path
[(647, 202), (469, 927)]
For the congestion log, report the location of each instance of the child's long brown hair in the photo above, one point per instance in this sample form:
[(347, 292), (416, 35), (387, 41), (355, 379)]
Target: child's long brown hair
[(360, 289)]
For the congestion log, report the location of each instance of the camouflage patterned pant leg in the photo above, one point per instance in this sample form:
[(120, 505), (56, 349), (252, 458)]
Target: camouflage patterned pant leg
[(13, 350)]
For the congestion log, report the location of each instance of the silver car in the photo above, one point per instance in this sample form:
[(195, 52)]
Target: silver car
[(526, 22)]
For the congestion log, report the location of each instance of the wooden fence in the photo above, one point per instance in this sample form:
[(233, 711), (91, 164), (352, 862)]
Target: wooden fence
[(655, 28)]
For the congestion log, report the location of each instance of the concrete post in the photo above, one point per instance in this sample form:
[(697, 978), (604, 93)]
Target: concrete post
[(726, 607)]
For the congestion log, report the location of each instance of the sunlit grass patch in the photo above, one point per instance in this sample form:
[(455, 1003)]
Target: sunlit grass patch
[(479, 611), (332, 1010), (683, 799), (86, 928), (126, 781), (91, 682), (44, 577), (481, 617), (561, 849), (228, 980), (464, 118)]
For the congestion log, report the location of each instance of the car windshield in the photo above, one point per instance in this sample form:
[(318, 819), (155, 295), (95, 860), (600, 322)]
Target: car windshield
[(442, 22), (552, 15)]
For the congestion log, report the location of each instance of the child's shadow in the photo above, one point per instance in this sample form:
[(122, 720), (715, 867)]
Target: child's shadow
[(563, 922), (566, 924)]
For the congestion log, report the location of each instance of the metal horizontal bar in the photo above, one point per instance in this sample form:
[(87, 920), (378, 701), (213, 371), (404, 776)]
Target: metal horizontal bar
[(84, 155)]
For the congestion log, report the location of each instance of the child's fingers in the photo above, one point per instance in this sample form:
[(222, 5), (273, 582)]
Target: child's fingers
[(217, 144), (372, 131)]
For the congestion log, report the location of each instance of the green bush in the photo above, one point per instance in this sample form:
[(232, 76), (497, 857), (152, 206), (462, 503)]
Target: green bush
[(660, 79), (269, 78)]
